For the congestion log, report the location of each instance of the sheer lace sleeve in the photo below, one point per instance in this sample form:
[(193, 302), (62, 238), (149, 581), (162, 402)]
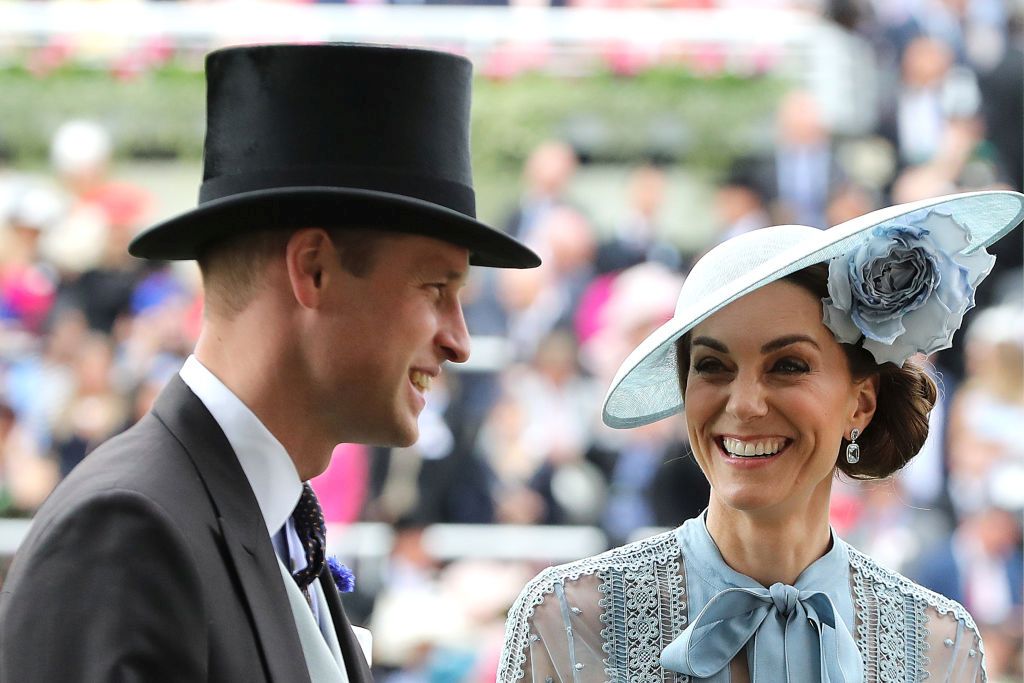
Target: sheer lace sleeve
[(955, 651), (553, 634)]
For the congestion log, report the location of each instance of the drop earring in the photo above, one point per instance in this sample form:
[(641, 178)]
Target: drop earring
[(852, 449)]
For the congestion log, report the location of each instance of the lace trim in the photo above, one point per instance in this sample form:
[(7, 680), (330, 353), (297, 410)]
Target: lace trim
[(892, 629), (643, 605), (635, 577)]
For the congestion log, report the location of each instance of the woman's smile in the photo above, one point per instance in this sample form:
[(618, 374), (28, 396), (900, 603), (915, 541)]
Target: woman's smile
[(769, 396)]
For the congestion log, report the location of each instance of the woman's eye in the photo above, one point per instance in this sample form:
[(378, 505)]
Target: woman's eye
[(791, 366), (706, 366)]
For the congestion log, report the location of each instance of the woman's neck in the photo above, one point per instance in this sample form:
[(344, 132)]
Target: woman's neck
[(770, 546)]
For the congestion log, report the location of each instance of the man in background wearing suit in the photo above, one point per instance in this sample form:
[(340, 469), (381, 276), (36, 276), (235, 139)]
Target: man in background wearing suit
[(335, 227)]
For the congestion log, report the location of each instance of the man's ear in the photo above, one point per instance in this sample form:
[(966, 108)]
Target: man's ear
[(306, 255), (867, 401)]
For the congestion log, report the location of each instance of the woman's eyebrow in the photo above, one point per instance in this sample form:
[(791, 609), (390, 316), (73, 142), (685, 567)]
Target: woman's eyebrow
[(780, 342), (712, 344)]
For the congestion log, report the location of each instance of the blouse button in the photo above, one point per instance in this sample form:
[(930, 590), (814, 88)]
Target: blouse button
[(972, 653), (948, 642), (534, 637), (577, 610), (578, 666)]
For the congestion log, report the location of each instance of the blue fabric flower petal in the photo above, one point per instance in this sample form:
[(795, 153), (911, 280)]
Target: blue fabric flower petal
[(906, 287), (343, 577)]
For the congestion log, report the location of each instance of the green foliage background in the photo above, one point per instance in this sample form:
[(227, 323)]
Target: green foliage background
[(666, 114)]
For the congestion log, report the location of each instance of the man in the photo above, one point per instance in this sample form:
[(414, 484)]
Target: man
[(334, 230)]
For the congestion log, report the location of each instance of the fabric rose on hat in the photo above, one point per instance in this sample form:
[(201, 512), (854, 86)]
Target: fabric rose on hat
[(906, 288)]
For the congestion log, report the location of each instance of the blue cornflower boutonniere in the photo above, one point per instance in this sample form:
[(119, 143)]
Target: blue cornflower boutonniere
[(906, 288), (343, 577)]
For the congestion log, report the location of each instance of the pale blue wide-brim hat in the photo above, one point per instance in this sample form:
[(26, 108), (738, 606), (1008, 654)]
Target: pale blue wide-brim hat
[(646, 386)]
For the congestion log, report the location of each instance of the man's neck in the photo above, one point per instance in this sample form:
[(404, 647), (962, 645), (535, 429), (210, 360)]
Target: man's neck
[(264, 382)]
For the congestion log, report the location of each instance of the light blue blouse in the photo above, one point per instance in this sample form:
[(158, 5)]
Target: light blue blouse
[(779, 641), (625, 616)]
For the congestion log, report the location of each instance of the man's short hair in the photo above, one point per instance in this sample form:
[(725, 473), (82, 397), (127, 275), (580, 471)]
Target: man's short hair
[(232, 268)]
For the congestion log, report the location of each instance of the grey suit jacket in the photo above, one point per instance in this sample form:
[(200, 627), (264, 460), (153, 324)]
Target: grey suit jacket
[(151, 562)]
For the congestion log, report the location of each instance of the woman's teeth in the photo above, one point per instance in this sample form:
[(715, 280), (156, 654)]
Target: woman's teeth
[(749, 449), (421, 380)]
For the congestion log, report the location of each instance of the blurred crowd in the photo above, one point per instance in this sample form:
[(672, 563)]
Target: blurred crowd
[(89, 335)]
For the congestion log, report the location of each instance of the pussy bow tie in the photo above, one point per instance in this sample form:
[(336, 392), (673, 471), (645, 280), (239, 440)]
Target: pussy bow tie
[(796, 633)]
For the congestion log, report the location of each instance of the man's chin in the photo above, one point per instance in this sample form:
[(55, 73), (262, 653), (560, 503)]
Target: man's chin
[(400, 436), (407, 440)]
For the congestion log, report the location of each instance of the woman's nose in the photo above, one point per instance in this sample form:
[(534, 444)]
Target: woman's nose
[(747, 398)]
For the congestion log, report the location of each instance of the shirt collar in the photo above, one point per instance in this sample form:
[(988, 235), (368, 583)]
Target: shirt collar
[(266, 464), (829, 574)]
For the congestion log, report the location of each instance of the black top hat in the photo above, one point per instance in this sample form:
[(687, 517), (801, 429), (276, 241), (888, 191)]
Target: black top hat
[(336, 136)]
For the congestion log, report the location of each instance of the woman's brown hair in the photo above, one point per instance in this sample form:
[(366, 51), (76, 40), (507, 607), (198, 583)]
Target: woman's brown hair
[(905, 397)]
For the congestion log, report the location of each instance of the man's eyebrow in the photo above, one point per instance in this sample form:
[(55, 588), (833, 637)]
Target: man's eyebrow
[(458, 277), (781, 342), (713, 344)]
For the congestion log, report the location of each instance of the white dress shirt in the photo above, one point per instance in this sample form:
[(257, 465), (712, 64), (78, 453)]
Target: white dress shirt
[(268, 467)]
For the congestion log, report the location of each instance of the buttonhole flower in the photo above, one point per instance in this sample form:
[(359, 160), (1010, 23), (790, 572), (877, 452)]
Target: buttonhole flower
[(343, 577)]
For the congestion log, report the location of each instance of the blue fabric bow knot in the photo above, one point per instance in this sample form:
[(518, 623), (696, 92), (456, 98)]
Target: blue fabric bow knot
[(795, 633)]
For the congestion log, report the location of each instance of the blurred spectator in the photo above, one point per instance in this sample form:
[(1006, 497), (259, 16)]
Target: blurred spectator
[(26, 475), (881, 522), (985, 445), (548, 171), (740, 200), (411, 618), (543, 299), (640, 237), (981, 566), (27, 283), (96, 410), (932, 95), (652, 479), (39, 385), (438, 479), (848, 201), (636, 301), (805, 169), (1002, 107), (90, 245), (537, 436)]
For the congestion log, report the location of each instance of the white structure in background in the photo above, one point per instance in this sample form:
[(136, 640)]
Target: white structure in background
[(836, 65)]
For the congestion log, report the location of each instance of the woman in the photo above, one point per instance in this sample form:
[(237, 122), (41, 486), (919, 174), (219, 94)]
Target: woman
[(791, 354)]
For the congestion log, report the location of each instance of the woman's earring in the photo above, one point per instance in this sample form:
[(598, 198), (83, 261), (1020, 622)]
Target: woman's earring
[(852, 449)]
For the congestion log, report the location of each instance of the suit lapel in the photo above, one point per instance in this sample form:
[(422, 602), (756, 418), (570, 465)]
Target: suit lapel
[(355, 663), (241, 523)]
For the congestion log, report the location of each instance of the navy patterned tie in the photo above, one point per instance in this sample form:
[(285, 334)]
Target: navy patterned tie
[(309, 524)]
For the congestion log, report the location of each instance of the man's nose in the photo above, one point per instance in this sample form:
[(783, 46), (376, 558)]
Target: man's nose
[(454, 336)]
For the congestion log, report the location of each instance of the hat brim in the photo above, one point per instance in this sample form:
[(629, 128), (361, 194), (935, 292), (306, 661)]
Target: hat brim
[(646, 387), (183, 236)]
